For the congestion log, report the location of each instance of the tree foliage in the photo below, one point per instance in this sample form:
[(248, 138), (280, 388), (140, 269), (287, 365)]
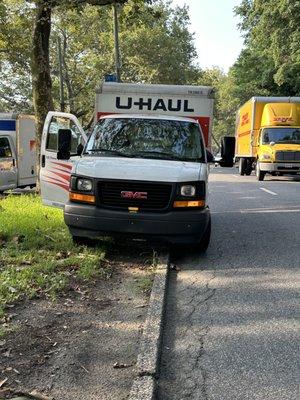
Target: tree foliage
[(269, 63), (271, 58), (156, 47), (16, 22)]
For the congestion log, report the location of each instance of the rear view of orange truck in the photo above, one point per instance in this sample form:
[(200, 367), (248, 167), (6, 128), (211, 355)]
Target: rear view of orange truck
[(268, 136)]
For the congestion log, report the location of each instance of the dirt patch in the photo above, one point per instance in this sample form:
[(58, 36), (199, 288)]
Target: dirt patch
[(84, 345)]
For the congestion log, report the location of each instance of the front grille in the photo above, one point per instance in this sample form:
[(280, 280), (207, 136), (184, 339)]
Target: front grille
[(158, 195), (283, 168), (287, 155)]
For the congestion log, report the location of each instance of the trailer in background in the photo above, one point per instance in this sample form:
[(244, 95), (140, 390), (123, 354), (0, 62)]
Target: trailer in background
[(17, 151)]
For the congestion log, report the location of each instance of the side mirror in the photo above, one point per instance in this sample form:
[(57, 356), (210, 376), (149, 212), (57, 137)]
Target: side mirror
[(227, 151), (209, 157), (64, 144), (2, 152), (79, 149)]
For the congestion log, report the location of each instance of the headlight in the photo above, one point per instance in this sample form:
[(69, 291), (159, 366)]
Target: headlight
[(84, 185), (188, 190), (265, 156)]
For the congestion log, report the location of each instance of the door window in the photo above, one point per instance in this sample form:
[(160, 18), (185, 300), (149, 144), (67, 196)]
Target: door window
[(4, 144), (62, 123)]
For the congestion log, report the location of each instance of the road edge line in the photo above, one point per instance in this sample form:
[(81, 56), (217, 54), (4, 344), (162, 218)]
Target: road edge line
[(144, 385)]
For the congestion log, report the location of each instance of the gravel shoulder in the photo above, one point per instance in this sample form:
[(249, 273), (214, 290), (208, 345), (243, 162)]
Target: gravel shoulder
[(85, 344)]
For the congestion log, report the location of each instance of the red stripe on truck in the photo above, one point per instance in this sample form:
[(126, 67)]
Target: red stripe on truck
[(244, 134), (65, 165), (64, 176), (56, 183)]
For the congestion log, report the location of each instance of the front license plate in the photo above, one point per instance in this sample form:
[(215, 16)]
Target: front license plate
[(288, 165)]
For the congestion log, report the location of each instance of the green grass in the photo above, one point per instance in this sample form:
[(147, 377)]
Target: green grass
[(37, 255), (144, 284)]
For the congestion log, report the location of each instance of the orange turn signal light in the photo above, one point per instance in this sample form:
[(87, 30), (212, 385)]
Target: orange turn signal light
[(133, 209), (83, 198), (189, 203)]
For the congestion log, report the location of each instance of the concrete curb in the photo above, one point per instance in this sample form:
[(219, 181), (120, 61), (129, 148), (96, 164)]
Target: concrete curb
[(144, 386)]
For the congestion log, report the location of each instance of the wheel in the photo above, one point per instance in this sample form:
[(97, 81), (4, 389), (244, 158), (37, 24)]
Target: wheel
[(259, 174), (199, 247), (204, 243), (226, 163), (81, 241), (248, 169), (242, 166)]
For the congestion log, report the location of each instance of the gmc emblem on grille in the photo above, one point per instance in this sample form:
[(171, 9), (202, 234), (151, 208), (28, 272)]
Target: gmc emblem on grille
[(134, 195)]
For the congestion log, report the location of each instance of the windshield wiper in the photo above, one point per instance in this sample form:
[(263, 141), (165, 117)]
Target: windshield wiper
[(110, 151), (165, 154)]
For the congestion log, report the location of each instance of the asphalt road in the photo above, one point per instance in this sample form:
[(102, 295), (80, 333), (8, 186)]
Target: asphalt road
[(231, 329)]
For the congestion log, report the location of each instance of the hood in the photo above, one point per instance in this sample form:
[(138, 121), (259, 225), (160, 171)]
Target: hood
[(285, 147), (140, 169)]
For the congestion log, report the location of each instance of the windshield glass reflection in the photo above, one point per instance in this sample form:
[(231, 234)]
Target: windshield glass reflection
[(281, 135), (147, 138)]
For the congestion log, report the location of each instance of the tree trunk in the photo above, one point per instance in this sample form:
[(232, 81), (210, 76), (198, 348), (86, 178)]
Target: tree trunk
[(41, 79), (69, 86)]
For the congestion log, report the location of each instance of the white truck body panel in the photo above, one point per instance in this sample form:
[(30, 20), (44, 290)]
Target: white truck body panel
[(18, 167), (26, 147)]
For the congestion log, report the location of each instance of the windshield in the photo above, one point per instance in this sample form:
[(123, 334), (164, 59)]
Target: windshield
[(281, 135), (147, 138)]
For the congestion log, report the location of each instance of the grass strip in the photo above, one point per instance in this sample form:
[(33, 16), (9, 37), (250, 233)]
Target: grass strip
[(37, 255)]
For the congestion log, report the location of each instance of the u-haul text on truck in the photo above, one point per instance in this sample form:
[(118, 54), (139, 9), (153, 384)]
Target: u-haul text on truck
[(141, 172)]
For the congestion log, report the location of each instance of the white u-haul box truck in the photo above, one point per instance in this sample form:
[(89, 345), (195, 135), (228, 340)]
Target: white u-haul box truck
[(17, 151), (143, 169)]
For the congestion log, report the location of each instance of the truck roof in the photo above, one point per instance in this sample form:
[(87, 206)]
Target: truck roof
[(275, 99), (149, 116), (8, 115), (137, 88)]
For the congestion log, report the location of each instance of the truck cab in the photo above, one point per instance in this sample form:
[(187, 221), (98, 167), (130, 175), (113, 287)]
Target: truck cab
[(278, 141), (268, 136)]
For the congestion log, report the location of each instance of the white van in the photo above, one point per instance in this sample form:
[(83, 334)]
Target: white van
[(143, 170), (17, 151)]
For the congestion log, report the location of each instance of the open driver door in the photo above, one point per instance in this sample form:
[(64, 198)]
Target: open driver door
[(55, 170)]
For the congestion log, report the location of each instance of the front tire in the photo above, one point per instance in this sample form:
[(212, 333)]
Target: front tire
[(205, 240), (81, 241), (260, 175), (200, 247), (242, 166)]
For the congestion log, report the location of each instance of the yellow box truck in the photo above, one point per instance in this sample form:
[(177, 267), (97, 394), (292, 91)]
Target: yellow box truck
[(267, 136)]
